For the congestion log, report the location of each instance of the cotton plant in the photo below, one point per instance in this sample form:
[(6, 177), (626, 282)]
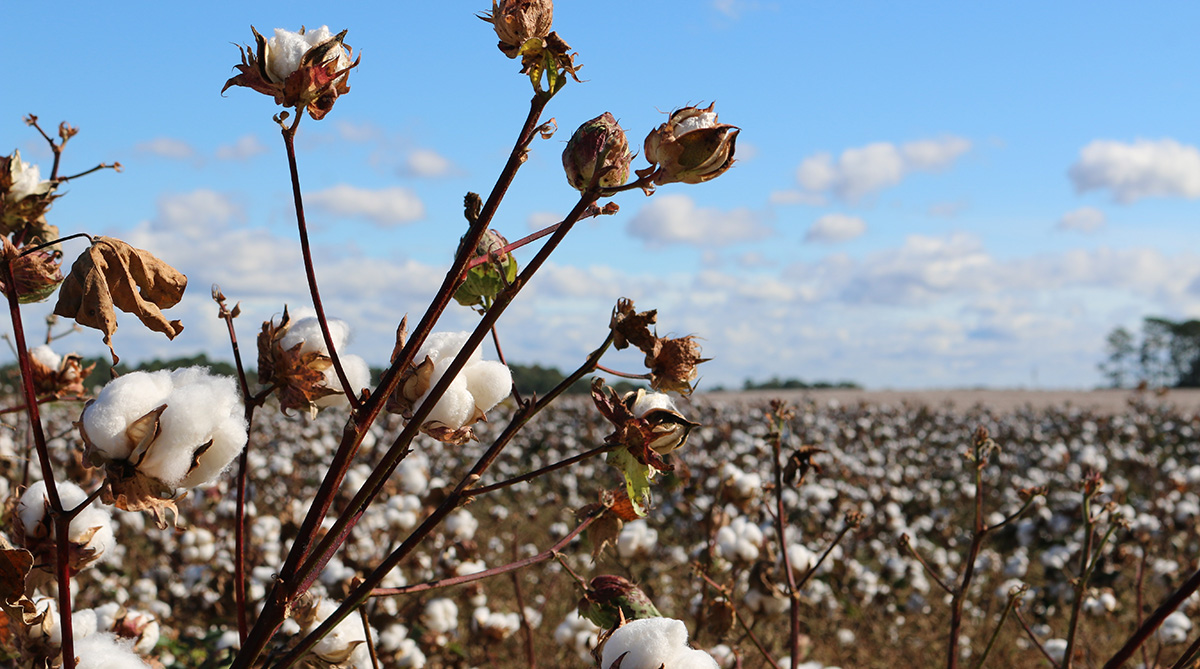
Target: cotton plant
[(477, 388), (90, 533), (157, 432), (653, 643), (294, 357)]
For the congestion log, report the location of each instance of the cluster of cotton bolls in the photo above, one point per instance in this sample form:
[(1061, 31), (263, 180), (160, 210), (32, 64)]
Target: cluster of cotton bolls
[(901, 466)]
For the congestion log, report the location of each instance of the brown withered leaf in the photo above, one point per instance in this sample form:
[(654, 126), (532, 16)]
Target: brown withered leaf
[(15, 564), (630, 327), (672, 364), (602, 532), (128, 489), (114, 275)]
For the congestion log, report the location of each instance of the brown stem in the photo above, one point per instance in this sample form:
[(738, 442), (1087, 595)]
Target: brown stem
[(781, 530), (44, 400), (62, 521), (813, 569), (101, 166), (494, 571), (367, 635), (526, 628), (32, 249), (604, 448), (289, 141), (239, 540), (451, 502), (278, 601), (1081, 582), (624, 375), (742, 621), (1033, 637), (1160, 614)]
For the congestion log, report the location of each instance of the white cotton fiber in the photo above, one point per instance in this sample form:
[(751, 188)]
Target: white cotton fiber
[(358, 373), (346, 635), (106, 651), (45, 355), (199, 407), (32, 510), (489, 382), (479, 386), (440, 615), (306, 331), (652, 643), (120, 403)]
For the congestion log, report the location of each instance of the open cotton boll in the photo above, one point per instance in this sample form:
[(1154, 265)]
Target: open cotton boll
[(121, 402), (307, 332), (357, 373), (654, 643), (443, 345), (489, 382), (106, 651), (346, 640), (200, 408), (286, 49), (456, 406), (92, 528), (45, 355)]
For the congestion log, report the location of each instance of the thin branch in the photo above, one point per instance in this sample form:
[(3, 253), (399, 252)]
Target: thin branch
[(494, 571), (1033, 637), (603, 448)]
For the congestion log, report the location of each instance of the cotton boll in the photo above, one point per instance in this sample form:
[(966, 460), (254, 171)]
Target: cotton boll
[(45, 355), (441, 615), (461, 525), (106, 651), (306, 331), (92, 528), (200, 408), (122, 401), (357, 373), (636, 539), (651, 643), (455, 407), (489, 382), (346, 637)]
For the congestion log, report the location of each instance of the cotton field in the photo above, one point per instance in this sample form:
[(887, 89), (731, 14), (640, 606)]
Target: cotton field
[(881, 520)]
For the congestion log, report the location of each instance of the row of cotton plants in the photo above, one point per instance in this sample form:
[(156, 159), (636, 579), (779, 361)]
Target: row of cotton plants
[(706, 556)]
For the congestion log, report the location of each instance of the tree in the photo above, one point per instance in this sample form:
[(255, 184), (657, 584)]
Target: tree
[(1121, 357), (1167, 355)]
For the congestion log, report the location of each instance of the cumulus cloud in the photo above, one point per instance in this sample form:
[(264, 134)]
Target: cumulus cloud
[(245, 148), (675, 219), (167, 147), (1084, 219), (385, 207), (358, 132), (197, 210), (1141, 169), (834, 228), (427, 163), (863, 170)]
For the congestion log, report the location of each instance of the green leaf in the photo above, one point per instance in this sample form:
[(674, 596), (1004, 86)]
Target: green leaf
[(637, 478)]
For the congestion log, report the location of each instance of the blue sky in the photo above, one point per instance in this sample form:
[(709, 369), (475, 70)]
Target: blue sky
[(928, 194)]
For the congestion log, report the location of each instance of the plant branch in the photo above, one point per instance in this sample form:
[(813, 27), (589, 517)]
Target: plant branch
[(603, 448)]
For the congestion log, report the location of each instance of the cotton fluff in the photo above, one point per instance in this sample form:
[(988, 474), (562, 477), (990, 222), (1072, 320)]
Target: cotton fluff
[(654, 643), (106, 651), (1175, 628), (26, 179), (579, 633), (740, 540), (441, 615), (346, 638), (304, 329), (494, 624), (46, 355), (637, 539), (32, 512), (200, 407), (286, 49), (479, 386)]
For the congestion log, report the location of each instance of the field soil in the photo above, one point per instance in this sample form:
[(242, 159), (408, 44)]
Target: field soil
[(1106, 401)]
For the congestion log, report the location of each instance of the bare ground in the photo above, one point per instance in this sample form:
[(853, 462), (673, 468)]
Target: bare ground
[(1106, 401)]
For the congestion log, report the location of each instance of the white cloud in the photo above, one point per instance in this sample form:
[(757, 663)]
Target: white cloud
[(358, 132), (543, 219), (1144, 168), (386, 206), (246, 147), (833, 228), (167, 147), (428, 163), (863, 170), (198, 210), (675, 219), (1084, 219)]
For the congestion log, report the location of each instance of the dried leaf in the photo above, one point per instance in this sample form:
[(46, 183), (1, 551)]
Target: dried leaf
[(15, 564), (114, 275)]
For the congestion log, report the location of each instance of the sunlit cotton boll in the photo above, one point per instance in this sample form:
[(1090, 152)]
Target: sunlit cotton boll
[(345, 643), (287, 48), (92, 529), (106, 651), (305, 330), (478, 387), (200, 408), (654, 643)]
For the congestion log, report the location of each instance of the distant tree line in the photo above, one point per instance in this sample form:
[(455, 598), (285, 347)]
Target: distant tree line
[(775, 383), (1167, 354)]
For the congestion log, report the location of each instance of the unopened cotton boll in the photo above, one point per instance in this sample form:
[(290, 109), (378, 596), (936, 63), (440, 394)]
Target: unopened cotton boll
[(654, 643)]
